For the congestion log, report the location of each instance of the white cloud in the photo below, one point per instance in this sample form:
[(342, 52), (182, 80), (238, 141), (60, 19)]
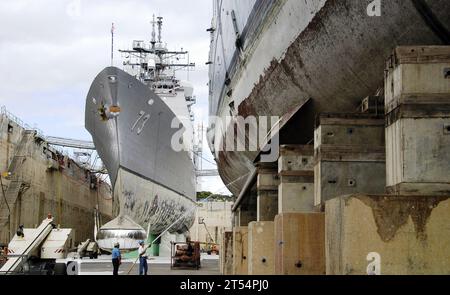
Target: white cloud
[(51, 50)]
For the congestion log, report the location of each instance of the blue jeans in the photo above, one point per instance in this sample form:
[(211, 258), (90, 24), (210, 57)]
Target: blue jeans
[(143, 267), (116, 265)]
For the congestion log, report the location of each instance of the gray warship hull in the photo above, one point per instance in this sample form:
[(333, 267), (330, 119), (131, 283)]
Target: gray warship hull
[(153, 184), (269, 57)]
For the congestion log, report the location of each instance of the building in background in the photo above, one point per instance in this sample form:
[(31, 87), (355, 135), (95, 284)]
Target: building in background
[(212, 218)]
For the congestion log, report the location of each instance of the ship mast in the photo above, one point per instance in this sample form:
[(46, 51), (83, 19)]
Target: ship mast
[(153, 42), (163, 57), (112, 44), (159, 22)]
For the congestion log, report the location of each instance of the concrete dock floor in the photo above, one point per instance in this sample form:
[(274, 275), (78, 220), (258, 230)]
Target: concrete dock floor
[(156, 265)]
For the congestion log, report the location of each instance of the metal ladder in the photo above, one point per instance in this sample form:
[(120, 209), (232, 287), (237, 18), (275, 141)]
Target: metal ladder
[(17, 183)]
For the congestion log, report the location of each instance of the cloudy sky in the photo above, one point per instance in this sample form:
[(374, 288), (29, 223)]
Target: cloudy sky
[(51, 50)]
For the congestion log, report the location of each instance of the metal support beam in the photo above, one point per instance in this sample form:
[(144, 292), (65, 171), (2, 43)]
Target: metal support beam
[(71, 143), (207, 173)]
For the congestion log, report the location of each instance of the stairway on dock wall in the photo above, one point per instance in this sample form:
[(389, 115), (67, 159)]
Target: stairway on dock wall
[(17, 184)]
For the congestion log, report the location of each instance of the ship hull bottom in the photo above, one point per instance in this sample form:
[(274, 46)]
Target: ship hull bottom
[(151, 205), (335, 60)]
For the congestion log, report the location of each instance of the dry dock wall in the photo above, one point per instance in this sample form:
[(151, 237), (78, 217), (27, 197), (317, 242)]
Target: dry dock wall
[(47, 182), (410, 233), (240, 251), (380, 203), (300, 244), (405, 232), (226, 253), (261, 252)]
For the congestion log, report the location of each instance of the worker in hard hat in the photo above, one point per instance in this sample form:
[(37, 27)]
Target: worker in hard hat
[(143, 266), (116, 259)]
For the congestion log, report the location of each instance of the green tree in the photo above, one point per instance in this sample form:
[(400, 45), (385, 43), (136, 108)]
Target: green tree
[(213, 197)]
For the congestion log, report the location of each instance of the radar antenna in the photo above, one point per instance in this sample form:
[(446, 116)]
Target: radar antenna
[(153, 42), (160, 23)]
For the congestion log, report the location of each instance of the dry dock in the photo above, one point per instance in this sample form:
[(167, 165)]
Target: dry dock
[(157, 266), (369, 195), (37, 179)]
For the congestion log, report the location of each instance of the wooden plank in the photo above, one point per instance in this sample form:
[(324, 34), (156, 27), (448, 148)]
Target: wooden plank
[(348, 149), (226, 253), (297, 173), (269, 188), (418, 111), (350, 134), (261, 252), (420, 54), (338, 178), (240, 251), (296, 197), (300, 244), (427, 189), (424, 82), (304, 150), (296, 161), (360, 154), (417, 151), (349, 119)]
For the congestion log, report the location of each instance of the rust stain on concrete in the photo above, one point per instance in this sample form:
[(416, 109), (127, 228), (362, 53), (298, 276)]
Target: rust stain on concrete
[(392, 212)]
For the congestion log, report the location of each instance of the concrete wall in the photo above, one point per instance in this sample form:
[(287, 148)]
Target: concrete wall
[(243, 216), (410, 233), (267, 190), (418, 155), (226, 253), (62, 189), (340, 178), (296, 171), (11, 133), (267, 205), (415, 72), (417, 98), (240, 251), (406, 232), (216, 216), (349, 156), (300, 244), (261, 248)]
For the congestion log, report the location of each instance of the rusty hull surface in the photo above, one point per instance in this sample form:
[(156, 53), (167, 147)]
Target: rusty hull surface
[(336, 61)]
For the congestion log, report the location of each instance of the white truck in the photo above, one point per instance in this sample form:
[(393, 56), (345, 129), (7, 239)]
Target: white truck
[(88, 249), (36, 251)]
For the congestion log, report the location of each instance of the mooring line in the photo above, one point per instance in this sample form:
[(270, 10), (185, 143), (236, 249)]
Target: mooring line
[(184, 215)]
